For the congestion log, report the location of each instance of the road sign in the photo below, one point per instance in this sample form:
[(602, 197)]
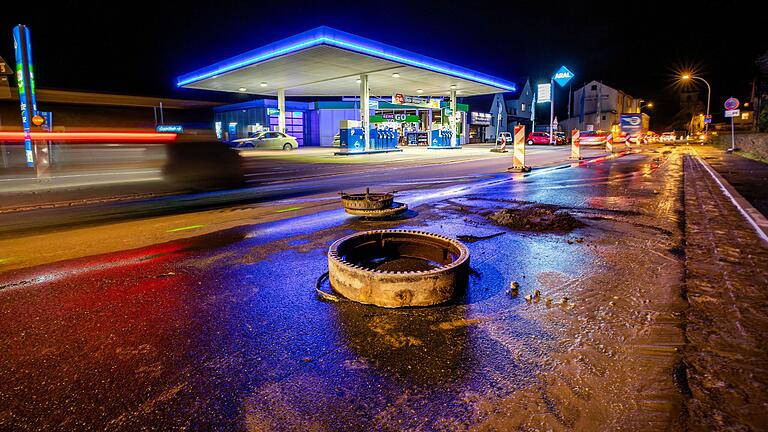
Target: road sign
[(708, 119), (731, 104), (170, 128), (732, 113), (544, 93), (631, 124), (562, 76)]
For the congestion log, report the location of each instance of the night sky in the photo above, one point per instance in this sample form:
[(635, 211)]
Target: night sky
[(140, 47)]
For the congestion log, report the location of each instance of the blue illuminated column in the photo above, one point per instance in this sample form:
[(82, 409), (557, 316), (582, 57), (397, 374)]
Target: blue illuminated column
[(365, 112), (26, 79), (281, 108), (452, 120)]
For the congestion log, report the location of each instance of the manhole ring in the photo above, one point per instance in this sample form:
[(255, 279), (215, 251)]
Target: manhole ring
[(398, 268), (395, 209), (367, 201)]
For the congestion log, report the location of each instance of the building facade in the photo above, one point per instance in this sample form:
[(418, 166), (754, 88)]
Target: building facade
[(506, 114), (597, 106)]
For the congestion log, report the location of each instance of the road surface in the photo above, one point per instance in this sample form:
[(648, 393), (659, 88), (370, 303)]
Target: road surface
[(209, 320)]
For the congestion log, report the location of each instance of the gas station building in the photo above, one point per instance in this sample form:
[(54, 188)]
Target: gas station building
[(387, 91)]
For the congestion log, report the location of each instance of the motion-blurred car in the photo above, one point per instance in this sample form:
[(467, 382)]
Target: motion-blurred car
[(271, 140), (537, 138), (596, 138)]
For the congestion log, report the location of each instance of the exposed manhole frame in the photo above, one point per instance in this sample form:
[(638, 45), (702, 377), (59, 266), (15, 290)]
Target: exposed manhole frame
[(394, 289), (373, 205)]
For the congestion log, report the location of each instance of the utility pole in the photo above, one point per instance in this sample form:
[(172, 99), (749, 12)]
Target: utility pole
[(551, 110), (533, 113)]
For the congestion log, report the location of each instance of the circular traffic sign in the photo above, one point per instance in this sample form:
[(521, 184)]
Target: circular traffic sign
[(731, 103), (38, 120)]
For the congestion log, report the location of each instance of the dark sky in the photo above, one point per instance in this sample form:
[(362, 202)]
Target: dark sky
[(140, 47)]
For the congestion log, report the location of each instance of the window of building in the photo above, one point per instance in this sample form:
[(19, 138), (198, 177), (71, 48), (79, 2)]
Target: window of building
[(594, 87), (603, 117), (522, 107), (294, 125)]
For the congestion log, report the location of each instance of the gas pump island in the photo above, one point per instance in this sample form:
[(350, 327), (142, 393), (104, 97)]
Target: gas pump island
[(324, 62), (352, 138)]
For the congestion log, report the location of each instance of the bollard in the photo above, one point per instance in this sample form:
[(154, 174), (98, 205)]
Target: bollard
[(518, 151), (575, 145), (609, 143), (503, 148)]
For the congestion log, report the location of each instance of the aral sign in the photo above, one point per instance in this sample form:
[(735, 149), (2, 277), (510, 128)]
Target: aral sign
[(562, 76)]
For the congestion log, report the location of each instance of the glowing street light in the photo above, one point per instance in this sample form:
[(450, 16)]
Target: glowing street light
[(686, 77)]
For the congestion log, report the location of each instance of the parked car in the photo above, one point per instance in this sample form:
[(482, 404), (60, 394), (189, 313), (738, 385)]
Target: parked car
[(668, 137), (562, 138), (506, 136), (596, 138), (270, 140), (537, 138), (650, 137)]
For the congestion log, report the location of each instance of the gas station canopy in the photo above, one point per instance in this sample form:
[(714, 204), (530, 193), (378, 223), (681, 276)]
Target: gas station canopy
[(329, 62)]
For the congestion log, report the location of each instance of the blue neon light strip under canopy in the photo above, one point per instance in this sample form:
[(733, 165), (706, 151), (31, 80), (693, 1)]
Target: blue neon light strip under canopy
[(335, 38)]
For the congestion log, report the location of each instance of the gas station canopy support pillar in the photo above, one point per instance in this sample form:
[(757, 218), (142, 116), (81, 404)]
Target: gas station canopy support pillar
[(365, 114), (452, 121), (281, 109)]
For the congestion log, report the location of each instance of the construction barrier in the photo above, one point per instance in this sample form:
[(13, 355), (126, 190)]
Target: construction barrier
[(575, 145), (609, 143), (518, 154)]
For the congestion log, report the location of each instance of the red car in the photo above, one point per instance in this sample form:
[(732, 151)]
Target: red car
[(540, 138)]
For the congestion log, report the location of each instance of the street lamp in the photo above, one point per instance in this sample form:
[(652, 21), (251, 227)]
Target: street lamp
[(709, 94), (648, 105)]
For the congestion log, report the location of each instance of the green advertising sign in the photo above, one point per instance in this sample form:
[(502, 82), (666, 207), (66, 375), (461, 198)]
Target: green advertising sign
[(400, 118)]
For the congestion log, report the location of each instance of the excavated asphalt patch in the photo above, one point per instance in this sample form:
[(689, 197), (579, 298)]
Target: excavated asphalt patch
[(536, 217)]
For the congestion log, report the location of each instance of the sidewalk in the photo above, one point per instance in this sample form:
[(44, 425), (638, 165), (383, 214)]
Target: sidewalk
[(749, 177), (726, 280)]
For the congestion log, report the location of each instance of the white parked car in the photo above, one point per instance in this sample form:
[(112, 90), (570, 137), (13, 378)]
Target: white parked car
[(668, 137), (270, 140), (506, 136)]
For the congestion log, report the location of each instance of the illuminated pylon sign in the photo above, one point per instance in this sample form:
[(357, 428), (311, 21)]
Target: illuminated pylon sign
[(518, 154), (562, 76), (26, 78), (575, 145)]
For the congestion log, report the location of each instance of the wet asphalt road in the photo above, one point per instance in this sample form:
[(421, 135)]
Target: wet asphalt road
[(225, 332)]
